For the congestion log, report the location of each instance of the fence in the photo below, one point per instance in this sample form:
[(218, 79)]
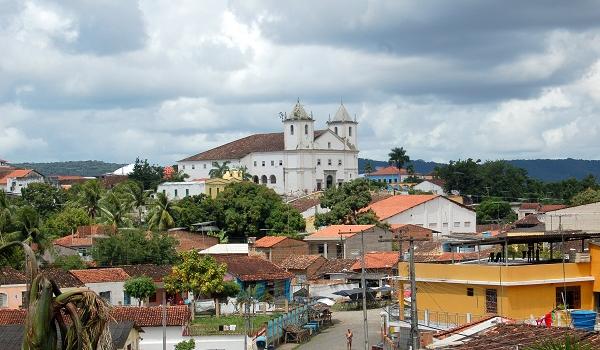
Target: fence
[(446, 319), (298, 315)]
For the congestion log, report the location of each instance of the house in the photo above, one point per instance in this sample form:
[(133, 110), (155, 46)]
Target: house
[(227, 249), (335, 270), (81, 241), (379, 267), (63, 279), (125, 335), (435, 212), (344, 241), (13, 287), (107, 283), (390, 175), (526, 209), (181, 189), (14, 181), (434, 186), (157, 274), (298, 160), (517, 288), (188, 240), (217, 185), (581, 217), (278, 248), (304, 267), (250, 271)]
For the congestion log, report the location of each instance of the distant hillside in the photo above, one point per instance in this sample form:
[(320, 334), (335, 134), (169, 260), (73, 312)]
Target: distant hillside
[(81, 168), (542, 169)]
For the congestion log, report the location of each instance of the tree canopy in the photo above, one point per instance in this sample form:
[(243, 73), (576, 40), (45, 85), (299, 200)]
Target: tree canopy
[(345, 203), (149, 176), (587, 196), (44, 198), (494, 210), (140, 287), (133, 246), (200, 274), (398, 157)]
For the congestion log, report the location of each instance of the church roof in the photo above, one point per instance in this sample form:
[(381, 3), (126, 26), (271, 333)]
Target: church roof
[(272, 142), (298, 113), (342, 115)]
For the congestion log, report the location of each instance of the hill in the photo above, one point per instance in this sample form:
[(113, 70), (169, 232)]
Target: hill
[(541, 169), (80, 167)]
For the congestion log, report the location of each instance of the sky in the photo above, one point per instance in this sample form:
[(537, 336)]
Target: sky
[(113, 80)]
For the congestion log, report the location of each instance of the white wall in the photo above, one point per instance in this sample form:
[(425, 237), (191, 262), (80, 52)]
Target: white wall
[(152, 339), (327, 290), (427, 186), (117, 295), (582, 217), (20, 183), (177, 190), (439, 214), (200, 169)]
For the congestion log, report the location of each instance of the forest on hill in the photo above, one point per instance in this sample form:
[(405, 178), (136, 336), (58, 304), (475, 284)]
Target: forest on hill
[(79, 167)]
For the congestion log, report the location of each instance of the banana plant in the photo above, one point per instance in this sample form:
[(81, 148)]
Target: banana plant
[(77, 319)]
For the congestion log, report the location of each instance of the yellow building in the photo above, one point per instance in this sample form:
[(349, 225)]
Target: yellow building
[(514, 289), (217, 185)]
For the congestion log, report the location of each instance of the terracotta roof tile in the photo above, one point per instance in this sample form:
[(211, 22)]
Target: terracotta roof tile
[(398, 204), (378, 260), (272, 142), (17, 173), (529, 206), (192, 241), (156, 272), (410, 230), (269, 241), (551, 207), (8, 275), (73, 241), (338, 231), (335, 266), (112, 274), (528, 220), (252, 268), (389, 170), (64, 279), (303, 204), (151, 316), (12, 316), (299, 262)]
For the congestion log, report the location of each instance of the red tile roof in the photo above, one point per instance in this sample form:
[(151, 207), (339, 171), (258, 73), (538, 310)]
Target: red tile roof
[(379, 260), (64, 279), (389, 170), (12, 316), (272, 142), (551, 207), (397, 204), (151, 316), (528, 220), (299, 262), (17, 173), (410, 230), (303, 204), (84, 236), (111, 274), (8, 275), (335, 266), (339, 231), (192, 241), (269, 241), (529, 206), (252, 268), (156, 272), (71, 241)]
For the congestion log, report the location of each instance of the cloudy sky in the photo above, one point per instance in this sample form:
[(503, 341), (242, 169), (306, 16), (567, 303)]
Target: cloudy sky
[(113, 79)]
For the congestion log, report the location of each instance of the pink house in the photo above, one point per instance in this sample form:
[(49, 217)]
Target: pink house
[(13, 285)]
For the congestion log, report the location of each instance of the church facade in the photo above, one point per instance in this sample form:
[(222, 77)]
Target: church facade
[(296, 161)]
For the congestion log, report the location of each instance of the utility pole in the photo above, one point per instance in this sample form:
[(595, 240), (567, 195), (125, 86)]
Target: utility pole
[(364, 289), (414, 316)]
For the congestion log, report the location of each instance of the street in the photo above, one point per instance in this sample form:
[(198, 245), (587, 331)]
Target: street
[(333, 337)]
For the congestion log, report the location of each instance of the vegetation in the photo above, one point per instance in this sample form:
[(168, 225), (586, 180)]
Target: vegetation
[(140, 287), (568, 343), (586, 196), (345, 203), (44, 198), (70, 262), (218, 170), (134, 246), (65, 222), (148, 176), (186, 345), (398, 157), (208, 325), (495, 210), (162, 213), (80, 168)]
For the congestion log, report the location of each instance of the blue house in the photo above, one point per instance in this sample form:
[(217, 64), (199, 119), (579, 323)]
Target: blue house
[(390, 175), (250, 271)]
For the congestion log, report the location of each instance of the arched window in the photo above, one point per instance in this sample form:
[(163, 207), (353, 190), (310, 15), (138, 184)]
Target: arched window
[(255, 179), (292, 129), (272, 179), (335, 130), (263, 179), (3, 300), (349, 131), (306, 129)]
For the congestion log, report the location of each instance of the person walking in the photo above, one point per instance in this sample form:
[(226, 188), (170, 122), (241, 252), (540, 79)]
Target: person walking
[(349, 339)]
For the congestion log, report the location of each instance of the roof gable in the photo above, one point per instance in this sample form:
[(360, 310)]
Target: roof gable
[(338, 232), (269, 241), (253, 268), (8, 275), (378, 260), (299, 262), (397, 204), (112, 274), (389, 170)]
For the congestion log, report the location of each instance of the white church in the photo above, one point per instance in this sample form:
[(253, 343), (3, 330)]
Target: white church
[(298, 160)]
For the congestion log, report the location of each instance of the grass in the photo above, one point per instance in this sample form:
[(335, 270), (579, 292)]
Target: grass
[(209, 325)]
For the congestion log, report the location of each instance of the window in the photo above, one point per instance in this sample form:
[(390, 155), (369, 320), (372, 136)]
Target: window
[(470, 292), (328, 161), (24, 299), (210, 192), (321, 249), (126, 299), (3, 300), (217, 191), (572, 297), (193, 167), (339, 162), (152, 298), (292, 129), (329, 145), (491, 301), (175, 192), (456, 224), (350, 131), (280, 162), (395, 180), (445, 224), (164, 191), (205, 165), (339, 251), (433, 225), (187, 192), (263, 179), (272, 163), (335, 130), (467, 224), (272, 179), (254, 163), (263, 163), (305, 129), (105, 296), (255, 179)]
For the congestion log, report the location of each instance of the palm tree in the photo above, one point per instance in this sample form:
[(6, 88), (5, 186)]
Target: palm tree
[(218, 170), (244, 173), (161, 214), (6, 213), (90, 196), (138, 198), (368, 168), (398, 157), (114, 210), (178, 176), (27, 221)]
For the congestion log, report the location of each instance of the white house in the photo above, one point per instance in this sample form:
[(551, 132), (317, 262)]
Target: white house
[(178, 190), (298, 160), (108, 283), (433, 186), (14, 181), (581, 217), (434, 212)]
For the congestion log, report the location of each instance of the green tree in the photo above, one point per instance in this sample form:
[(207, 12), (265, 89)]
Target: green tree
[(114, 210), (199, 274), (186, 345), (70, 262), (28, 227), (178, 176), (137, 197), (345, 203), (567, 343), (132, 246), (194, 209), (147, 175), (586, 197), (44, 198), (218, 170), (7, 210), (368, 167), (244, 173), (89, 197), (247, 209), (140, 287), (398, 157), (494, 210), (65, 222), (162, 213)]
